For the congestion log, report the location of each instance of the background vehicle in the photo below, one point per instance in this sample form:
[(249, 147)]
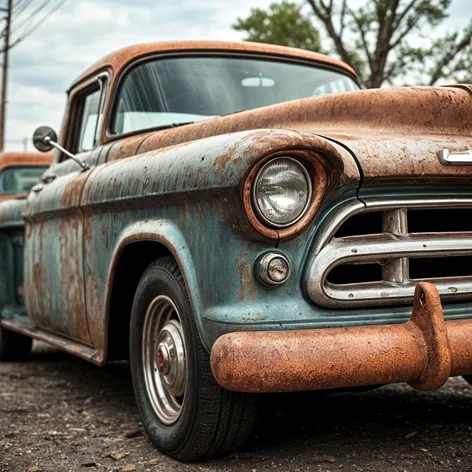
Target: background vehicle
[(219, 215), (19, 171)]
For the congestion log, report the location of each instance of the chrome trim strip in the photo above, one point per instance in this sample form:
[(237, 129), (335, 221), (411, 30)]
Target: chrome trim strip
[(384, 249)]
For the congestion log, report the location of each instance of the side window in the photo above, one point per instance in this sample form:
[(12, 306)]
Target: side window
[(89, 121)]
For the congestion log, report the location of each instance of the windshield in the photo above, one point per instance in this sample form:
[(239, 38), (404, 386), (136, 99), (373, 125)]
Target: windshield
[(15, 180), (173, 91)]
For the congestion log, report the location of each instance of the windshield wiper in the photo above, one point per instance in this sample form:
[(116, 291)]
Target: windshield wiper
[(232, 113), (176, 125), (172, 125)]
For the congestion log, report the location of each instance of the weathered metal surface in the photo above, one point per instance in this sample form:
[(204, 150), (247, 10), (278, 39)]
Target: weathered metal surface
[(54, 271), (10, 213), (390, 131), (29, 329), (425, 351), (188, 198), (19, 159), (119, 59)]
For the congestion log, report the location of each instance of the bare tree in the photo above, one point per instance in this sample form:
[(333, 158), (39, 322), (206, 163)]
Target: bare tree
[(376, 38)]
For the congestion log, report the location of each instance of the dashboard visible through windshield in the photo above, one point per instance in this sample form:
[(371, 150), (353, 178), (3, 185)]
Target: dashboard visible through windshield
[(175, 91)]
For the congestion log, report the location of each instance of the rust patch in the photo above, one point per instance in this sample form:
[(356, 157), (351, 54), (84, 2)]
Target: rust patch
[(26, 159), (425, 351), (247, 284), (222, 160), (105, 233), (428, 318), (72, 283)]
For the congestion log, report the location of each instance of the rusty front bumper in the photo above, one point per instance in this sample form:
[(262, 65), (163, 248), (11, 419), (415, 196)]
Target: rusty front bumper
[(424, 352)]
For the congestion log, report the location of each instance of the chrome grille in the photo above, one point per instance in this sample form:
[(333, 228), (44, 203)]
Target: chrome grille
[(365, 254)]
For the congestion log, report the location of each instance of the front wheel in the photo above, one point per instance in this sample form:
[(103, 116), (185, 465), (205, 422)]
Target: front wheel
[(186, 414)]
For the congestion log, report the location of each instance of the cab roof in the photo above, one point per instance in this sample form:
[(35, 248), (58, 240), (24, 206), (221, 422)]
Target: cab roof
[(119, 59)]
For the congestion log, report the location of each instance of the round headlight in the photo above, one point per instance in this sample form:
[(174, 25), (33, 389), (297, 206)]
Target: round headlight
[(282, 192)]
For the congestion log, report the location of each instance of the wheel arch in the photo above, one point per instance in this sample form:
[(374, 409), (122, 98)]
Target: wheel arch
[(139, 246)]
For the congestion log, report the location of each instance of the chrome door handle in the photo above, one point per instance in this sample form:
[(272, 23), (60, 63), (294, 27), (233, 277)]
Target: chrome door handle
[(458, 158), (37, 188), (48, 178)]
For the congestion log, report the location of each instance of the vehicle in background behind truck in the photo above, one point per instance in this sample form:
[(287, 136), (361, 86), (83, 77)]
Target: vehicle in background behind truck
[(19, 171)]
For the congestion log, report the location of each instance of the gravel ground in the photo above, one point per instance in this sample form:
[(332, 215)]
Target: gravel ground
[(60, 414)]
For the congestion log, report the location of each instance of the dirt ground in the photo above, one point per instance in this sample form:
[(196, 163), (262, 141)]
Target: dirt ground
[(60, 414)]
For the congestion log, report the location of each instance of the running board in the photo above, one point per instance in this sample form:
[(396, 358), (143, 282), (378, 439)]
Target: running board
[(29, 329)]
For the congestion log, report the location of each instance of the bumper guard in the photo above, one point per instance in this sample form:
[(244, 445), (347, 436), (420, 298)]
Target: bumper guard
[(424, 352)]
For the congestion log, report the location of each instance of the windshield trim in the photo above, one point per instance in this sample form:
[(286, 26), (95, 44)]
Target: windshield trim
[(111, 136)]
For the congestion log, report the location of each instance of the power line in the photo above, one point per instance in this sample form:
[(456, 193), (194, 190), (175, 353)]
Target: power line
[(29, 18), (21, 6), (38, 23)]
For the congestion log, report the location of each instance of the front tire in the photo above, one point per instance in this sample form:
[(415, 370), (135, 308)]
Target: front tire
[(14, 346), (186, 414)]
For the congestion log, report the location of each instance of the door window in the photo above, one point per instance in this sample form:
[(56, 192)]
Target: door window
[(89, 121)]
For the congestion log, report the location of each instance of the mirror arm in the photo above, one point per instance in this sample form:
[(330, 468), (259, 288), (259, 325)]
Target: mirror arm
[(83, 165)]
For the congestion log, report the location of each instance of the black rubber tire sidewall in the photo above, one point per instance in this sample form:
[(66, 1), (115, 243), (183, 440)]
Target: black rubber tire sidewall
[(158, 280)]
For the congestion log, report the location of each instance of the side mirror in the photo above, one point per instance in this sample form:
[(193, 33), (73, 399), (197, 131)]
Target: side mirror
[(45, 139), (40, 141)]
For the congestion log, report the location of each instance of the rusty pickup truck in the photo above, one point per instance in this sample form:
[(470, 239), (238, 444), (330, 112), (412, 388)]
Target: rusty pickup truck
[(239, 218)]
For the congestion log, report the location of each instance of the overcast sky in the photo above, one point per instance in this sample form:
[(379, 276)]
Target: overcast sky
[(81, 31)]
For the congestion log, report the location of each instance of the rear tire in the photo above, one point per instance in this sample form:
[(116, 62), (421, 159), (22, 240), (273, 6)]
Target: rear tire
[(186, 414), (14, 346)]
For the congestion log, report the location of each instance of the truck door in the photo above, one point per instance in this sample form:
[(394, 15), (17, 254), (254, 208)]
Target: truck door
[(54, 272)]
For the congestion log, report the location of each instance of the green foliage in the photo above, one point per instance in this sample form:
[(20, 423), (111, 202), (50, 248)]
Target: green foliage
[(284, 24)]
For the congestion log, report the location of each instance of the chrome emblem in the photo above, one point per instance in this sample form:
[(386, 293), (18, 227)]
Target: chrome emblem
[(450, 158)]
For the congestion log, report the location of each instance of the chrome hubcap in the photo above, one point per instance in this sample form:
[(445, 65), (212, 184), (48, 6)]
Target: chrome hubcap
[(164, 359)]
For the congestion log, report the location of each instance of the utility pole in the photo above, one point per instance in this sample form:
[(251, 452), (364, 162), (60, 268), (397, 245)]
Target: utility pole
[(3, 104)]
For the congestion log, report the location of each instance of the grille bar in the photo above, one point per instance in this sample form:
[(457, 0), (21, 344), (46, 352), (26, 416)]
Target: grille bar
[(392, 250)]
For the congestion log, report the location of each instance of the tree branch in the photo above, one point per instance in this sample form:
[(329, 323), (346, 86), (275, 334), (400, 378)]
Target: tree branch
[(449, 56), (342, 23), (324, 15), (407, 30), (362, 33), (403, 14)]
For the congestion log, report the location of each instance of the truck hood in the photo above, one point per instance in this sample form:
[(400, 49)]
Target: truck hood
[(394, 134)]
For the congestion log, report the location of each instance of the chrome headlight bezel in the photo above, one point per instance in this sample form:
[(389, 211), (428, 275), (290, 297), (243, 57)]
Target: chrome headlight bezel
[(255, 203)]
